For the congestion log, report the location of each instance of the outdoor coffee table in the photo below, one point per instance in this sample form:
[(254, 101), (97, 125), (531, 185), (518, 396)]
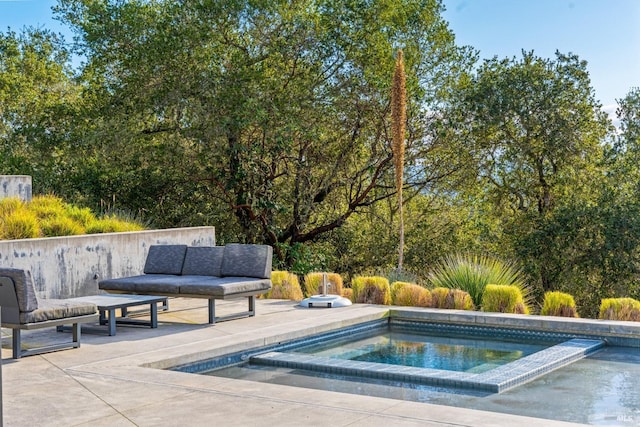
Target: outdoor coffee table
[(108, 304)]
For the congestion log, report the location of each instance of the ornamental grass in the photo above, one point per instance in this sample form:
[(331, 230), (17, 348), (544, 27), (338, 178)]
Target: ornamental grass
[(371, 290), (503, 299), (559, 304), (620, 309), (472, 273), (284, 285), (452, 299), (410, 295)]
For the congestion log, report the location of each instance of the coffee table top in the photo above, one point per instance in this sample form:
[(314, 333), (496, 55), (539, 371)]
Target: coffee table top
[(109, 301)]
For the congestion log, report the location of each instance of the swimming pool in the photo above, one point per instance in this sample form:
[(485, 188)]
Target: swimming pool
[(587, 391)]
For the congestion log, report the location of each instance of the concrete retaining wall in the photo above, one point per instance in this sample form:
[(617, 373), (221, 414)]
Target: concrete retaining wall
[(16, 186), (64, 267)]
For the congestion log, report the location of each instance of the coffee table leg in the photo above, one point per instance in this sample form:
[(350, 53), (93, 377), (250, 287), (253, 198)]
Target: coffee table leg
[(112, 321), (154, 314)]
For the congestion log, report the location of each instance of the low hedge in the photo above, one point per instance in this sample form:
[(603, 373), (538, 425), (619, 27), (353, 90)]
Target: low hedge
[(371, 290), (620, 309)]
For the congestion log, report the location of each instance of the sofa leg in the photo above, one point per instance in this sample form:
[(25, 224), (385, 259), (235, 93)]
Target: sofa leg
[(16, 343), (252, 305), (76, 333), (212, 310)]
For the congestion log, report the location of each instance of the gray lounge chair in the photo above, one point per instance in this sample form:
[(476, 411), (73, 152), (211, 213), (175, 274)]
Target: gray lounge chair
[(21, 309)]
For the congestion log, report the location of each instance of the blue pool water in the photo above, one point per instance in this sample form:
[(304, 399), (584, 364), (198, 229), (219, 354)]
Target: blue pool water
[(601, 389), (425, 351)]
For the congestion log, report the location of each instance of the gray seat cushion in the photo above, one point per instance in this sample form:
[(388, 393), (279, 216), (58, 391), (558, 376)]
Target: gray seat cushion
[(225, 286), (54, 309), (203, 261), (247, 261), (143, 283), (165, 259)]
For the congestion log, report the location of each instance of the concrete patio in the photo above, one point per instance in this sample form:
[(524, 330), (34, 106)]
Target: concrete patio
[(117, 380)]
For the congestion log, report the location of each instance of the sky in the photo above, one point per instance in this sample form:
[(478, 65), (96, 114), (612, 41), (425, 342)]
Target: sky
[(605, 33)]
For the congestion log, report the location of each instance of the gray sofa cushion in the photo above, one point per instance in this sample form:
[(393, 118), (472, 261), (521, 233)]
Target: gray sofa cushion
[(54, 309), (247, 261), (225, 286), (26, 293), (203, 261), (142, 283), (165, 259)]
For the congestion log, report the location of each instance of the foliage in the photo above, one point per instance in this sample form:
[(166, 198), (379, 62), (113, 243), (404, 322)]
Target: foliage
[(19, 224), (558, 304), (266, 119), (112, 224), (285, 285), (50, 216), (620, 309), (472, 273), (452, 299), (60, 226), (313, 283), (503, 299), (371, 290), (410, 294)]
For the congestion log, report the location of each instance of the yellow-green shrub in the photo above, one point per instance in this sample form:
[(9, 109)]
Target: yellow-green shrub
[(452, 299), (19, 224), (9, 205), (60, 226), (620, 309), (47, 206), (112, 225), (348, 293), (503, 299), (371, 290), (313, 283), (558, 304), (82, 216), (410, 295), (285, 285)]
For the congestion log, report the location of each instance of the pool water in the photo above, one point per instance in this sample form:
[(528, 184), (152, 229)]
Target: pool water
[(602, 389), (426, 351)]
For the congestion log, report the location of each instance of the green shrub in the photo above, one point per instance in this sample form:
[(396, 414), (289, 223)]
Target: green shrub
[(558, 304), (452, 299), (371, 290), (503, 299), (19, 224), (410, 294), (285, 285), (620, 309), (472, 273), (313, 283), (60, 226), (112, 225)]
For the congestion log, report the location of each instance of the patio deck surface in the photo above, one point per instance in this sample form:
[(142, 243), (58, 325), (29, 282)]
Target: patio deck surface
[(115, 380)]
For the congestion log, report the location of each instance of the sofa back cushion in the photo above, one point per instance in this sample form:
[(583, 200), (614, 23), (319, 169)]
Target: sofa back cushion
[(203, 261), (165, 259), (247, 260), (25, 292)]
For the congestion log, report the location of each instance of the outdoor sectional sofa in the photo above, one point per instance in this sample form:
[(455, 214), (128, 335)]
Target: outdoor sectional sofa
[(212, 272)]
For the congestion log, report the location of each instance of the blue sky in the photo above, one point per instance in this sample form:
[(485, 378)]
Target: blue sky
[(606, 33)]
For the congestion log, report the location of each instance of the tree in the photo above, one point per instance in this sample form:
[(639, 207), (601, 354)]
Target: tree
[(273, 111), (538, 128), (38, 100)]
